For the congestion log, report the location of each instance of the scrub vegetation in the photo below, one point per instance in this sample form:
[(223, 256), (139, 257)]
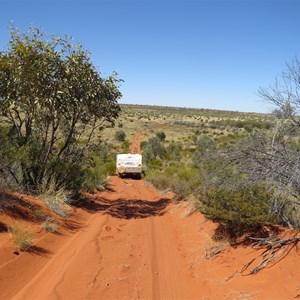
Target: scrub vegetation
[(239, 169), (57, 134)]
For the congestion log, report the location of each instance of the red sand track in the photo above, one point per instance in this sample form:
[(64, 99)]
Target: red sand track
[(136, 144), (126, 253), (134, 244)]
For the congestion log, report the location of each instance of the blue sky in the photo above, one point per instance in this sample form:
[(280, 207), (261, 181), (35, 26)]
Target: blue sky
[(206, 54)]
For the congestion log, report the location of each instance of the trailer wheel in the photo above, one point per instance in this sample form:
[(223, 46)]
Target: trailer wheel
[(121, 171)]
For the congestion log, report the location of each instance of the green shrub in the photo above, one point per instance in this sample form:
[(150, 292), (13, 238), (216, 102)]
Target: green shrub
[(95, 176), (120, 135), (180, 187), (100, 152), (239, 209), (187, 173), (125, 146), (153, 150), (156, 164), (174, 151), (159, 180), (179, 178), (109, 168), (161, 135), (205, 143), (22, 236), (172, 169)]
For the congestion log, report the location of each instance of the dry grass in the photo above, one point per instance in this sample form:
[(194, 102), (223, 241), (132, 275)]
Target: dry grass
[(49, 226), (22, 236), (177, 123)]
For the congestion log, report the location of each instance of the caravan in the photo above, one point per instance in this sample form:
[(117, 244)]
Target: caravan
[(129, 164)]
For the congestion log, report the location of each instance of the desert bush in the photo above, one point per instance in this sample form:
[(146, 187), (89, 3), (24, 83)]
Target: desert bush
[(109, 168), (172, 169), (239, 209), (125, 146), (161, 135), (185, 181), (174, 151), (22, 236), (247, 124), (272, 158), (244, 187), (155, 164), (248, 127), (95, 169), (205, 143), (95, 178), (159, 180), (101, 151), (181, 187), (120, 135), (177, 177), (153, 150)]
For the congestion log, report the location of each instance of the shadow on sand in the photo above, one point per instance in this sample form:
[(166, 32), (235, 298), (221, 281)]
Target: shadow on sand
[(36, 250), (3, 227), (14, 206), (126, 209)]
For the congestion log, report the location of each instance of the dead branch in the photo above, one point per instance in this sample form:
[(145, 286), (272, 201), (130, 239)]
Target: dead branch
[(214, 251), (276, 249)]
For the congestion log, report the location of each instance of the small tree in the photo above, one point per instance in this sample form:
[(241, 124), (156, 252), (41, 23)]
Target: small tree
[(51, 97)]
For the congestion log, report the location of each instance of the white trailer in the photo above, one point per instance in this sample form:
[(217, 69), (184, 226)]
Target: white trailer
[(129, 164)]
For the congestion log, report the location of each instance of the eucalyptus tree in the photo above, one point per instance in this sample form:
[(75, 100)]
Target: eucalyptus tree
[(52, 101)]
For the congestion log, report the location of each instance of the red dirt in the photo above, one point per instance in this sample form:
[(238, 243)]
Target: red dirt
[(136, 144), (134, 244)]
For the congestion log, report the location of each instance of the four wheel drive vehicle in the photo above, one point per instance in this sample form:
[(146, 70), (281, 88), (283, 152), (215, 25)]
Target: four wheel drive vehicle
[(129, 164)]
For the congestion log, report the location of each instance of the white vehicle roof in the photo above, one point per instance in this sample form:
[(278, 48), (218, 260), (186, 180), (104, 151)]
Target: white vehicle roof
[(123, 158), (129, 156)]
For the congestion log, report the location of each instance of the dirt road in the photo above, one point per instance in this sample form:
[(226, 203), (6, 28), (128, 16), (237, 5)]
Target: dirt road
[(136, 144), (130, 242), (127, 250)]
